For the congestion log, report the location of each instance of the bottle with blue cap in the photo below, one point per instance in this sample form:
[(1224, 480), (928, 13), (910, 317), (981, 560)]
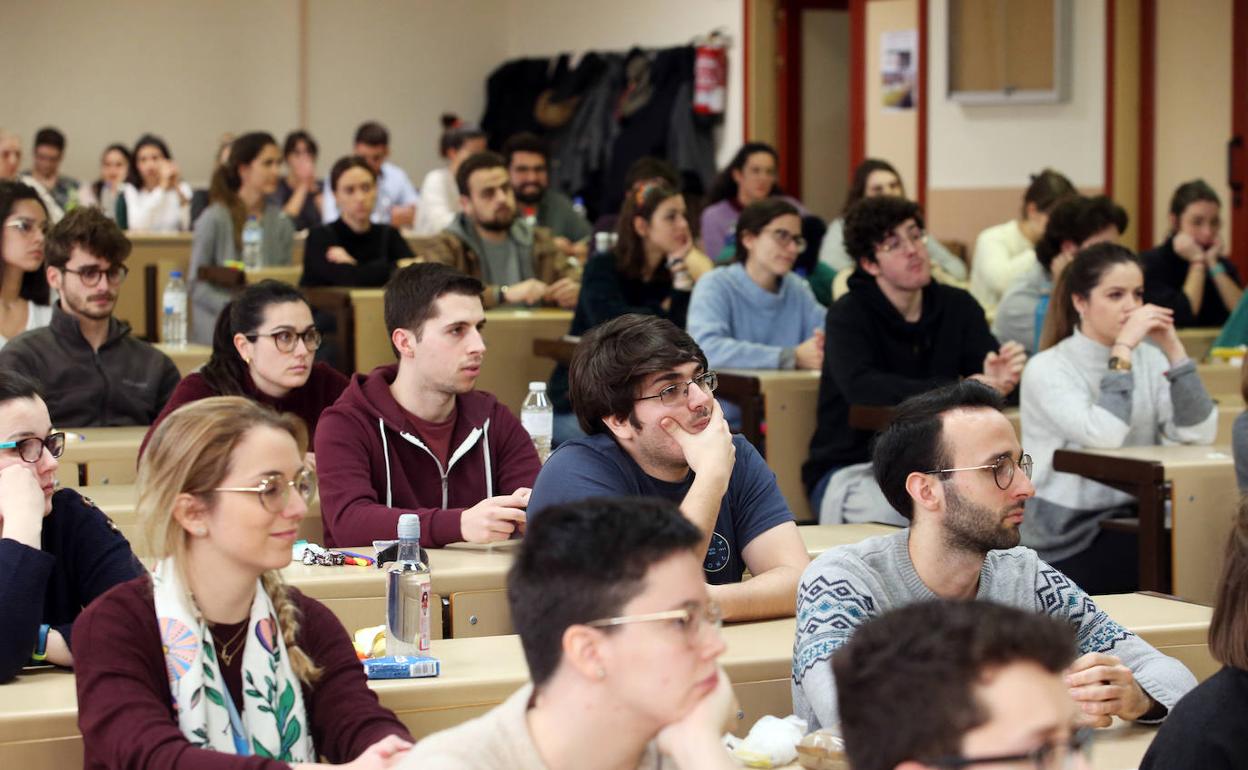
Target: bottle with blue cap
[(408, 594)]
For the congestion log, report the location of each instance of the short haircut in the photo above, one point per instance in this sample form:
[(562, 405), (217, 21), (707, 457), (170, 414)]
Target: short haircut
[(1076, 219), (614, 357), (1191, 192), (1228, 630), (346, 163), (1047, 189), (87, 228), (914, 441), (478, 161), (411, 293), (870, 221), (569, 571), (906, 680), (15, 386), (525, 142), (50, 137), (294, 138), (755, 218), (372, 134)]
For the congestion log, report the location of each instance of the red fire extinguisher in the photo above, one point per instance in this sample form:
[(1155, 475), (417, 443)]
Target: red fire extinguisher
[(710, 75)]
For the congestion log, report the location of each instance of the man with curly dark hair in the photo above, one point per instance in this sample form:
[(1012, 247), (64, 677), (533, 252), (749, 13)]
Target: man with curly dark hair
[(894, 335)]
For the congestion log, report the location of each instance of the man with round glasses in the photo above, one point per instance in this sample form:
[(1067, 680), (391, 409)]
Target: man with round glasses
[(88, 365), (641, 391), (951, 464)]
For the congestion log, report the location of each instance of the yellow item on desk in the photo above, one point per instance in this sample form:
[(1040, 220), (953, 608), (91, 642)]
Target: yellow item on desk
[(370, 642), (1233, 356)]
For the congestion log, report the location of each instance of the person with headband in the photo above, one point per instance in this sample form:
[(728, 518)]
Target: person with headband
[(58, 552), (212, 661)]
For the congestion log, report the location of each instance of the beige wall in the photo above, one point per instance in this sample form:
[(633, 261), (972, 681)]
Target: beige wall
[(825, 111), (892, 136), (190, 71), (1193, 101)]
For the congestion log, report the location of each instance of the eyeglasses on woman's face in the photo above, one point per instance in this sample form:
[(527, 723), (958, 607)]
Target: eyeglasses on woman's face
[(274, 491), (31, 449), (692, 619), (285, 339)]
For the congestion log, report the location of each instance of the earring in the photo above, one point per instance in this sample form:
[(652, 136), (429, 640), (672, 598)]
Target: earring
[(602, 673), (200, 532)]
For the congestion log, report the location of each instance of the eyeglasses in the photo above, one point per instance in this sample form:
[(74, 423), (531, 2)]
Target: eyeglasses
[(26, 226), (90, 275), (678, 392), (274, 492), (1002, 469), (784, 238), (31, 449), (285, 339), (1058, 755), (914, 237), (692, 618)]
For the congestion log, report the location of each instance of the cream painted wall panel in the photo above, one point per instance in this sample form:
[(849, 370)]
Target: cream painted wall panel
[(825, 111), (1193, 101), (555, 26), (187, 71), (404, 63), (892, 136), (995, 147)]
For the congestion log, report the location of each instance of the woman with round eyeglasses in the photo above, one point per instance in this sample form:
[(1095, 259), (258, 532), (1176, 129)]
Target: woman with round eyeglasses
[(1112, 372), (756, 313), (58, 552), (212, 658), (263, 349), (25, 299)]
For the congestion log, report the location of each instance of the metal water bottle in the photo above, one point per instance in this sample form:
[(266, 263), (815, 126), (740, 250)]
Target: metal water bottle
[(407, 594)]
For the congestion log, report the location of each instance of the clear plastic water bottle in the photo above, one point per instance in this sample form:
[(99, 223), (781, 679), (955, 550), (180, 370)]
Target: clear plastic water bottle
[(408, 594), (253, 234), (538, 417), (173, 316), (578, 205)]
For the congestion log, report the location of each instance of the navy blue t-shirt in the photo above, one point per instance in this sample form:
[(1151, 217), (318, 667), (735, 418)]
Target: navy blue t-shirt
[(596, 466)]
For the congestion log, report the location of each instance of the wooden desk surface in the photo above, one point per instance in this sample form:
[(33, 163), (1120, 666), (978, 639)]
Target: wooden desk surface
[(1198, 341), (102, 443), (285, 273), (1219, 377), (188, 357)]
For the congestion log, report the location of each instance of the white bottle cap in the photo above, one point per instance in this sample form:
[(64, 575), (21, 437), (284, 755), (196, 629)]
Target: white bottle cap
[(538, 386), (409, 527)]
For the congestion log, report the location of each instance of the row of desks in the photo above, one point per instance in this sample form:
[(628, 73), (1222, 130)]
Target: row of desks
[(38, 715)]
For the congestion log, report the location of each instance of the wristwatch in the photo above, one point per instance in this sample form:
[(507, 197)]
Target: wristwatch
[(1117, 364), (502, 294)]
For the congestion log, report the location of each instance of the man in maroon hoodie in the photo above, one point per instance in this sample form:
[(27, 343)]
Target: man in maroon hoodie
[(414, 437)]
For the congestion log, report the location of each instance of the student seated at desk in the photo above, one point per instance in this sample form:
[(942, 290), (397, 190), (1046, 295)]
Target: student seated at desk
[(1095, 385), (299, 192), (621, 638), (352, 250), (108, 192), (651, 271), (755, 313), (897, 333), (212, 657), (58, 552), (528, 164), (1206, 729), (92, 370), (263, 349), (240, 197), (642, 392), (157, 200), (750, 177), (951, 464), (960, 684), (439, 197), (396, 197), (23, 281), (1076, 223), (518, 262), (415, 437)]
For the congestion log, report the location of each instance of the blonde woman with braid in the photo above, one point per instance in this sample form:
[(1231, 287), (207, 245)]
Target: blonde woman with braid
[(212, 662)]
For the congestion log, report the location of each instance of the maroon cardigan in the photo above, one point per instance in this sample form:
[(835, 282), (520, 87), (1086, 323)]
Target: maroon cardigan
[(125, 711), (325, 384)]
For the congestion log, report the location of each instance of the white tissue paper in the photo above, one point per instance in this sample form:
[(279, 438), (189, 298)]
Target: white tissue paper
[(771, 742)]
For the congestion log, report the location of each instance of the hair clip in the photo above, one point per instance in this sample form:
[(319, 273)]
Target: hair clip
[(644, 188)]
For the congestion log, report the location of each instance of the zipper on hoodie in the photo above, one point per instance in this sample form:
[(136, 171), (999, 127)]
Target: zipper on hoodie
[(459, 452)]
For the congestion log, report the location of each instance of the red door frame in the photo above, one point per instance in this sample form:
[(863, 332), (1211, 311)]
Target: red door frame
[(1237, 151)]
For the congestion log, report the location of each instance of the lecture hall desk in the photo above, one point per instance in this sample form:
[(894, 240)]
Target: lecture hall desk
[(101, 455), (38, 712), (509, 333), (168, 252), (188, 357), (1199, 481)]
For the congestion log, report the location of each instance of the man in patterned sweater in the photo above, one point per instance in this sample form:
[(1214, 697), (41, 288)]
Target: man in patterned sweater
[(948, 463)]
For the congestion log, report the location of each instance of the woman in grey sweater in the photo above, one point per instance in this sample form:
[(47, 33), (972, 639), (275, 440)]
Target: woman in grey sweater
[(239, 192), (1094, 385)]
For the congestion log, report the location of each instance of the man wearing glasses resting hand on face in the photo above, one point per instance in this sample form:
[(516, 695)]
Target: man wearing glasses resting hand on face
[(87, 364), (641, 391), (951, 464)]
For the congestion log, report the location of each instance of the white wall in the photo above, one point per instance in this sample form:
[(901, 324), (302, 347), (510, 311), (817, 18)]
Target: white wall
[(556, 26), (993, 147)]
